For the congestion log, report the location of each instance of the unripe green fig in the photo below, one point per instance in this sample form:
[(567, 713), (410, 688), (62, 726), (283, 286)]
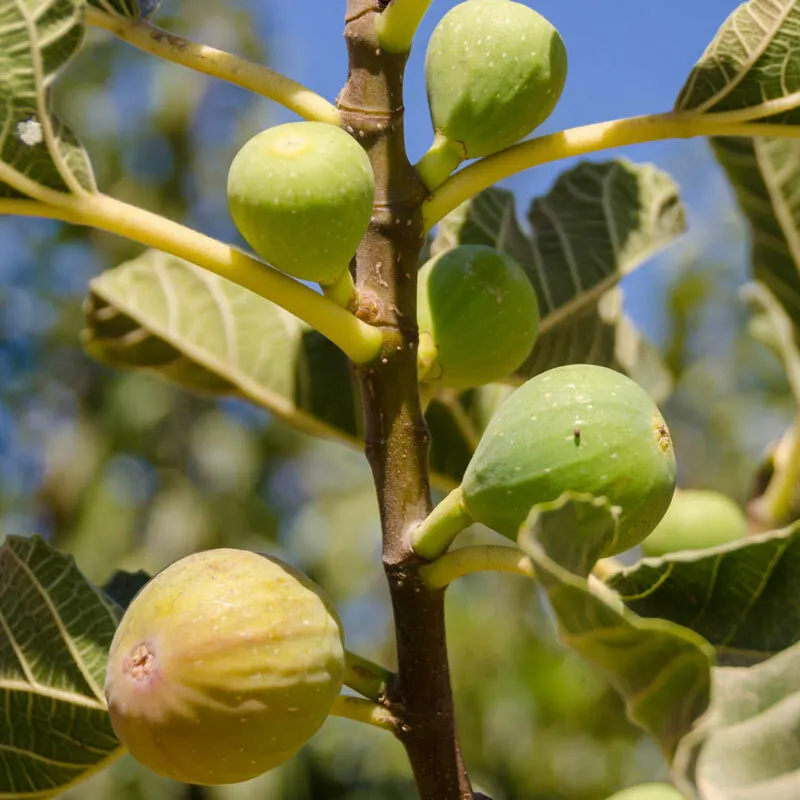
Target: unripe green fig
[(301, 195), (478, 317), (578, 428), (494, 70), (696, 519), (649, 791), (222, 667)]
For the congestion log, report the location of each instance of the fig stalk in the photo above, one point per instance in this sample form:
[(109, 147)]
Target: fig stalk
[(441, 160), (442, 525)]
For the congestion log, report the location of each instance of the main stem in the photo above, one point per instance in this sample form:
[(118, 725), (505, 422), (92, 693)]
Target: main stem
[(396, 437)]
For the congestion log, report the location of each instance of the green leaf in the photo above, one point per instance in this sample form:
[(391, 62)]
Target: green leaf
[(598, 223), (746, 747), (770, 324), (751, 66), (662, 670), (165, 315), (741, 596), (36, 149), (766, 181), (55, 632)]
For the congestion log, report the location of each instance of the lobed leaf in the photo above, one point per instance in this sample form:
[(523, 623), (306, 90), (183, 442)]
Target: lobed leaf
[(752, 66), (765, 177), (37, 149), (746, 746), (162, 314), (55, 632), (741, 597), (662, 670)]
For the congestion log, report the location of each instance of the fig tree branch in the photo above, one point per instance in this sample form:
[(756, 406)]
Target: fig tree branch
[(584, 140), (396, 436), (397, 25), (359, 341), (217, 63)]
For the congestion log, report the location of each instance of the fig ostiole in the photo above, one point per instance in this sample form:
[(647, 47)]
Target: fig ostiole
[(478, 317), (649, 791), (578, 428), (696, 519), (494, 71), (223, 666), (301, 195)]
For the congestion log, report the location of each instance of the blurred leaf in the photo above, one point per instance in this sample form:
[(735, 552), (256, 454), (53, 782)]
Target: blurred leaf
[(746, 746), (598, 223), (35, 42), (751, 65), (765, 178), (123, 586), (770, 325), (663, 671), (742, 597), (55, 632), (163, 314)]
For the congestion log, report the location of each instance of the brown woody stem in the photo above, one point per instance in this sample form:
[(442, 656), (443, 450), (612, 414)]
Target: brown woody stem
[(396, 437)]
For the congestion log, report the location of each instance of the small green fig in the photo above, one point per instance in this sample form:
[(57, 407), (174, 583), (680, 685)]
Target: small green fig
[(696, 519), (649, 791), (301, 195), (478, 317), (495, 70), (579, 428), (222, 667)]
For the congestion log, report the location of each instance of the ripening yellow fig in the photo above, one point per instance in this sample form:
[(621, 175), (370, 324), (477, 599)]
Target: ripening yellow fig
[(223, 666)]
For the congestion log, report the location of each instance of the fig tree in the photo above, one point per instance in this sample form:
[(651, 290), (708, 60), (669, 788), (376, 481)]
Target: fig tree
[(301, 195), (223, 666), (578, 428), (494, 71), (696, 519), (478, 317)]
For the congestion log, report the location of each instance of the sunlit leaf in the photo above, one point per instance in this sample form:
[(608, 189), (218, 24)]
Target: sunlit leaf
[(746, 747), (751, 66), (662, 670), (55, 632), (37, 149)]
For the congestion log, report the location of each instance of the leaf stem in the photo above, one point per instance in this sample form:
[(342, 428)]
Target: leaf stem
[(398, 24), (583, 140), (478, 558), (210, 61), (777, 506), (435, 534), (362, 343), (366, 677), (365, 711)]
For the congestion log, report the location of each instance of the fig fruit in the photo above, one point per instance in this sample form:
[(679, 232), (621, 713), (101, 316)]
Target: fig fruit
[(696, 519), (478, 317), (649, 791), (223, 666), (301, 195), (494, 70), (579, 428)]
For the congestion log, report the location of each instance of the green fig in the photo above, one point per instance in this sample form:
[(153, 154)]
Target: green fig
[(494, 70), (696, 519), (578, 428), (222, 667), (478, 317), (649, 791), (301, 194)]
